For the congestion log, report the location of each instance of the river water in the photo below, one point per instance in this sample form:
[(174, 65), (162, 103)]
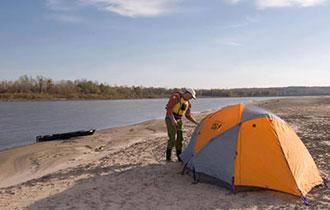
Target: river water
[(21, 122)]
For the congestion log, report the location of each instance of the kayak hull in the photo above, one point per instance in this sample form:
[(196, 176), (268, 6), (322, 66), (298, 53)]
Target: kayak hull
[(64, 136)]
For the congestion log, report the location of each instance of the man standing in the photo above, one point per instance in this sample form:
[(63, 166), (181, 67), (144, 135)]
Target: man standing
[(177, 106)]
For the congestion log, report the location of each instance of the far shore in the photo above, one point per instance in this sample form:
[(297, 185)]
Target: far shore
[(165, 97), (124, 168), (106, 99)]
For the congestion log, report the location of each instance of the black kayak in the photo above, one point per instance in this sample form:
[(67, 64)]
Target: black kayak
[(63, 136)]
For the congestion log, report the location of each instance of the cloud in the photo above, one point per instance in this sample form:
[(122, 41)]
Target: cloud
[(288, 3), (247, 21), (228, 42), (133, 8), (232, 1), (128, 8), (263, 4)]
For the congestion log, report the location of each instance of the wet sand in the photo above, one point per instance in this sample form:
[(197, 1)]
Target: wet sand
[(124, 168)]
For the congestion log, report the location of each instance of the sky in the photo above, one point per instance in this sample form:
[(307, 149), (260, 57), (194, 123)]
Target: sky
[(168, 43)]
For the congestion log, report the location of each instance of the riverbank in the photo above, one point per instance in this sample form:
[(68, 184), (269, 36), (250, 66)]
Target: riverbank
[(124, 168)]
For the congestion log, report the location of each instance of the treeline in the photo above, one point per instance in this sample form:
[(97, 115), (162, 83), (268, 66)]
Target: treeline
[(30, 88), (27, 87), (276, 91)]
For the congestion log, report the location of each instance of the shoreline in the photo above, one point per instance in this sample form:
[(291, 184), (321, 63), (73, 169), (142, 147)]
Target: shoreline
[(112, 99), (165, 97), (32, 138), (116, 158)]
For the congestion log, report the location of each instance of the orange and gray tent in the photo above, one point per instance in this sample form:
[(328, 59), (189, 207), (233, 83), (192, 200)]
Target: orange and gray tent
[(243, 146)]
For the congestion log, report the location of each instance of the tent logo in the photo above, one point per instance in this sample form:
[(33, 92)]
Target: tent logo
[(216, 125)]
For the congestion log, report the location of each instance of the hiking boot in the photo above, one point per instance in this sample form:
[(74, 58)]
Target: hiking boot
[(168, 155), (178, 153)]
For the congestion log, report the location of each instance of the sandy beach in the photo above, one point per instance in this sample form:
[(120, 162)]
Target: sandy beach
[(125, 168)]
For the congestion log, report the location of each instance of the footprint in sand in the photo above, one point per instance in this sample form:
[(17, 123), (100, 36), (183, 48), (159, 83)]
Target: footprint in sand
[(100, 148), (88, 147)]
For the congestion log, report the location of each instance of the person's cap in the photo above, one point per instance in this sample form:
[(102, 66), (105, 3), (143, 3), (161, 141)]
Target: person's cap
[(192, 92)]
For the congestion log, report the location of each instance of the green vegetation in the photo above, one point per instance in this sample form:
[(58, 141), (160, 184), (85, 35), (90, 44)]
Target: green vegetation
[(42, 88)]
